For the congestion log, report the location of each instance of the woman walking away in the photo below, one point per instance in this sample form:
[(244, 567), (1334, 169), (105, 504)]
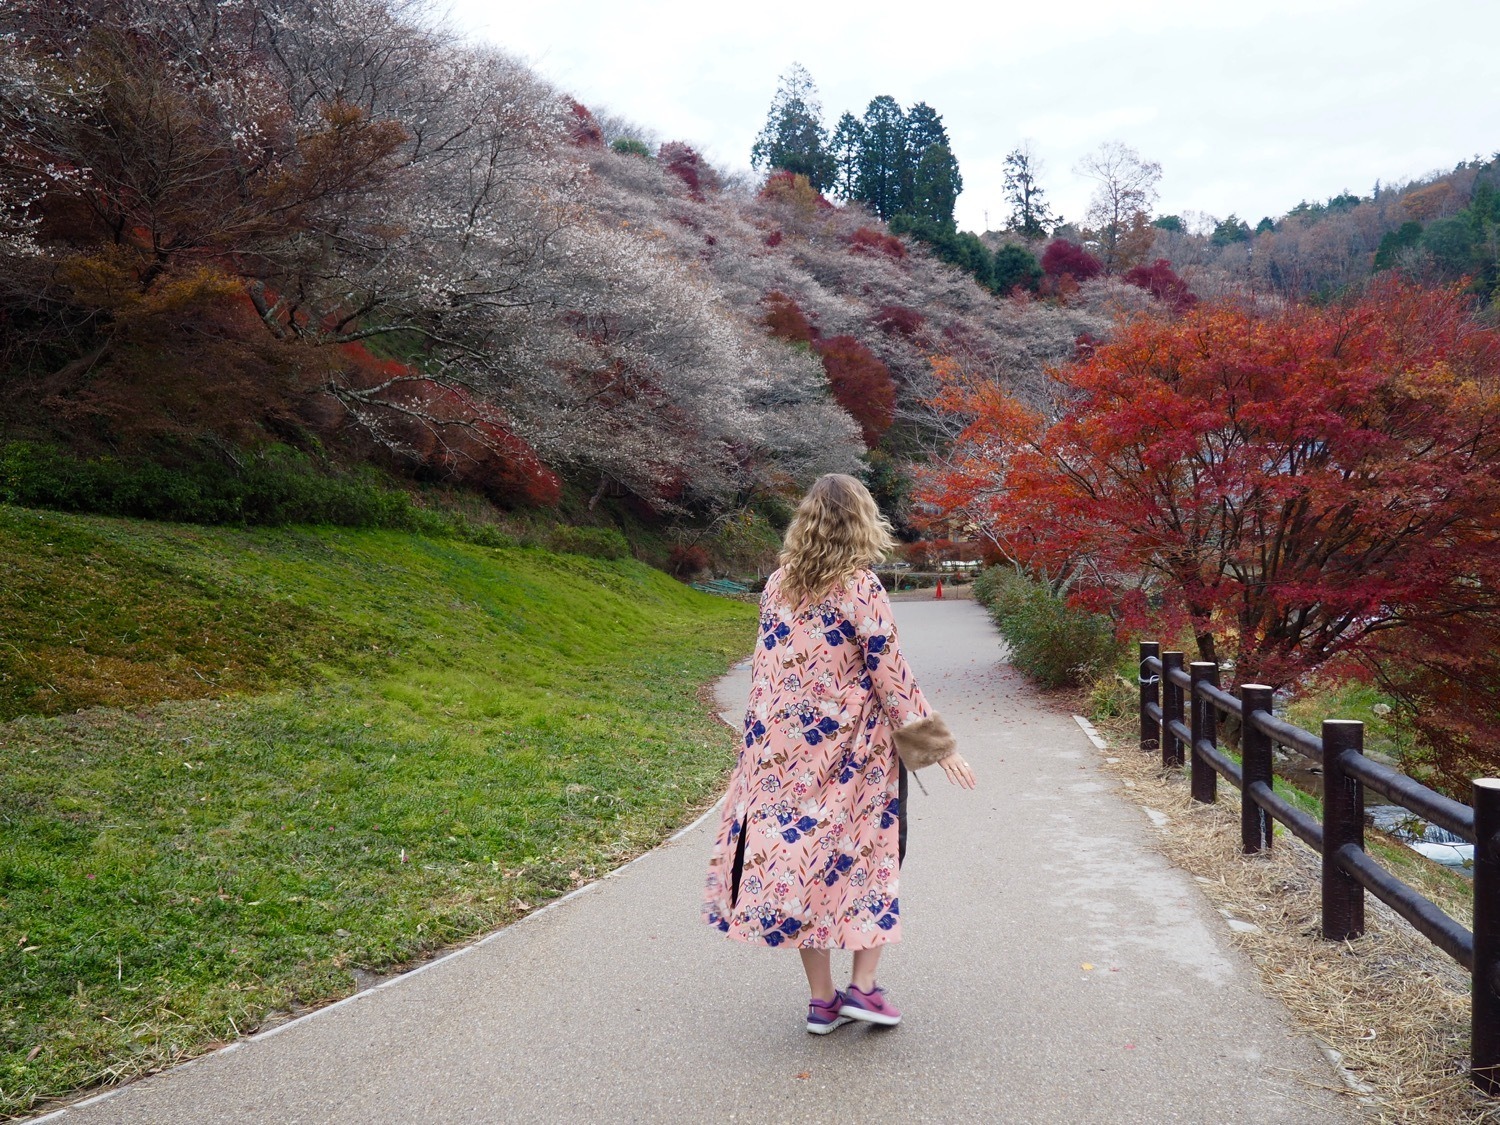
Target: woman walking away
[(808, 852)]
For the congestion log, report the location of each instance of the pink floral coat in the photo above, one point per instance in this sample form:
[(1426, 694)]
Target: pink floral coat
[(807, 850)]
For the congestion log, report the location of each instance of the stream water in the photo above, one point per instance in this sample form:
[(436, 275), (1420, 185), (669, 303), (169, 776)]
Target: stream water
[(1437, 844)]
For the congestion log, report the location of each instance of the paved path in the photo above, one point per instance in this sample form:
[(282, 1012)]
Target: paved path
[(619, 1005)]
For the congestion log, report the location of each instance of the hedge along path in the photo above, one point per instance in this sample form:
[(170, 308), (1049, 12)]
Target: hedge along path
[(1055, 969), (443, 737)]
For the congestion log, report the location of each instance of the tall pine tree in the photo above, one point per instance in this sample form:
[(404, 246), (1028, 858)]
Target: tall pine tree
[(848, 140), (935, 185), (924, 128), (884, 163), (793, 138)]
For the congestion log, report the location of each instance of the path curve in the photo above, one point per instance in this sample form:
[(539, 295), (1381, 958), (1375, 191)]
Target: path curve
[(619, 1005)]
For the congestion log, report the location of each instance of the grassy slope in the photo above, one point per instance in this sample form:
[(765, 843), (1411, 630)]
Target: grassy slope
[(510, 722)]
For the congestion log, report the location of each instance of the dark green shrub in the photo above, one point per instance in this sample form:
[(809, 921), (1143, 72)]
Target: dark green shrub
[(595, 542), (629, 146), (274, 486), (486, 534), (1050, 641)]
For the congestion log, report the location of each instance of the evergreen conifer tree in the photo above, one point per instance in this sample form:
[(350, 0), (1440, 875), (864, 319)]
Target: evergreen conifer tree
[(936, 184), (793, 138), (924, 128), (848, 140), (884, 161)]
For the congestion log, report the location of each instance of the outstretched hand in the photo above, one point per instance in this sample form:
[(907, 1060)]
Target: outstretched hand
[(958, 770)]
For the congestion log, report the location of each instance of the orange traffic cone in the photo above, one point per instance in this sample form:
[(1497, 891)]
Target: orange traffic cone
[(939, 593)]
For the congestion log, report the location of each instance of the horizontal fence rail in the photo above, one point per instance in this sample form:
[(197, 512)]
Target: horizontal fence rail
[(1180, 711)]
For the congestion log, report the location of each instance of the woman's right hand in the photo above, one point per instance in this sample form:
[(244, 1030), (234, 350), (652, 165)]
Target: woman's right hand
[(958, 770)]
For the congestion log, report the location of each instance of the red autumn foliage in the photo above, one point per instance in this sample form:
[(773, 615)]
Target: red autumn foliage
[(774, 239), (926, 554), (868, 240), (1162, 282), (445, 429), (688, 165), (1062, 258), (1291, 483), (684, 562), (583, 127), (1446, 674), (899, 320), (786, 321), (861, 384), (1084, 344)]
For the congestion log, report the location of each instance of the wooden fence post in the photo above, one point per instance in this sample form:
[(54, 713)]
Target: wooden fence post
[(1171, 709), (1150, 684), (1255, 747), (1204, 721), (1484, 1051), (1343, 827)]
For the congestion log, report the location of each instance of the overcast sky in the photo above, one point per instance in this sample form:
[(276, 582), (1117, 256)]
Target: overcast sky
[(1248, 106)]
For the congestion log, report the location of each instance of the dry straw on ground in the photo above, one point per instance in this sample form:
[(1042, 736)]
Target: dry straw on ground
[(1390, 1003)]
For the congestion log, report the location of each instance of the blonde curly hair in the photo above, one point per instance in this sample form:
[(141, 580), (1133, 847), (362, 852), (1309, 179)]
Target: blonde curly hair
[(837, 530)]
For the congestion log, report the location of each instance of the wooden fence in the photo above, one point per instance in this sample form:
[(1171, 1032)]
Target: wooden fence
[(1179, 715)]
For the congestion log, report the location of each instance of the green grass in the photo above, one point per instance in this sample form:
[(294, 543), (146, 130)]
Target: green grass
[(426, 739)]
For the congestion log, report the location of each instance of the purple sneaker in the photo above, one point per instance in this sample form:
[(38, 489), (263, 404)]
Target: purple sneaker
[(824, 1015), (871, 1007)]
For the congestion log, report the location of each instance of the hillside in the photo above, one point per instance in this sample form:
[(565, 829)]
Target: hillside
[(431, 260), (400, 741), (1438, 229)]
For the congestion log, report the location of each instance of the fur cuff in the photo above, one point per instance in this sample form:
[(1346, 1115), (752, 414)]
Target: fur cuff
[(924, 742)]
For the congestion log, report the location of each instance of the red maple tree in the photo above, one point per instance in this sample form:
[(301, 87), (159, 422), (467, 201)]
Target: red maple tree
[(1161, 281), (1294, 483), (1062, 258), (860, 382)]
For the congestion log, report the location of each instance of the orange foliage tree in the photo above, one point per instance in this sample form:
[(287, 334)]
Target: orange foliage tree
[(1293, 483)]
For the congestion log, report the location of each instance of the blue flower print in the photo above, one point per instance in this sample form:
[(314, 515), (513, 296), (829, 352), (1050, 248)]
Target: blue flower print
[(892, 811), (875, 644), (836, 637), (754, 730), (886, 921), (828, 726), (812, 735), (837, 867), (774, 938), (866, 683), (794, 833), (790, 927)]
